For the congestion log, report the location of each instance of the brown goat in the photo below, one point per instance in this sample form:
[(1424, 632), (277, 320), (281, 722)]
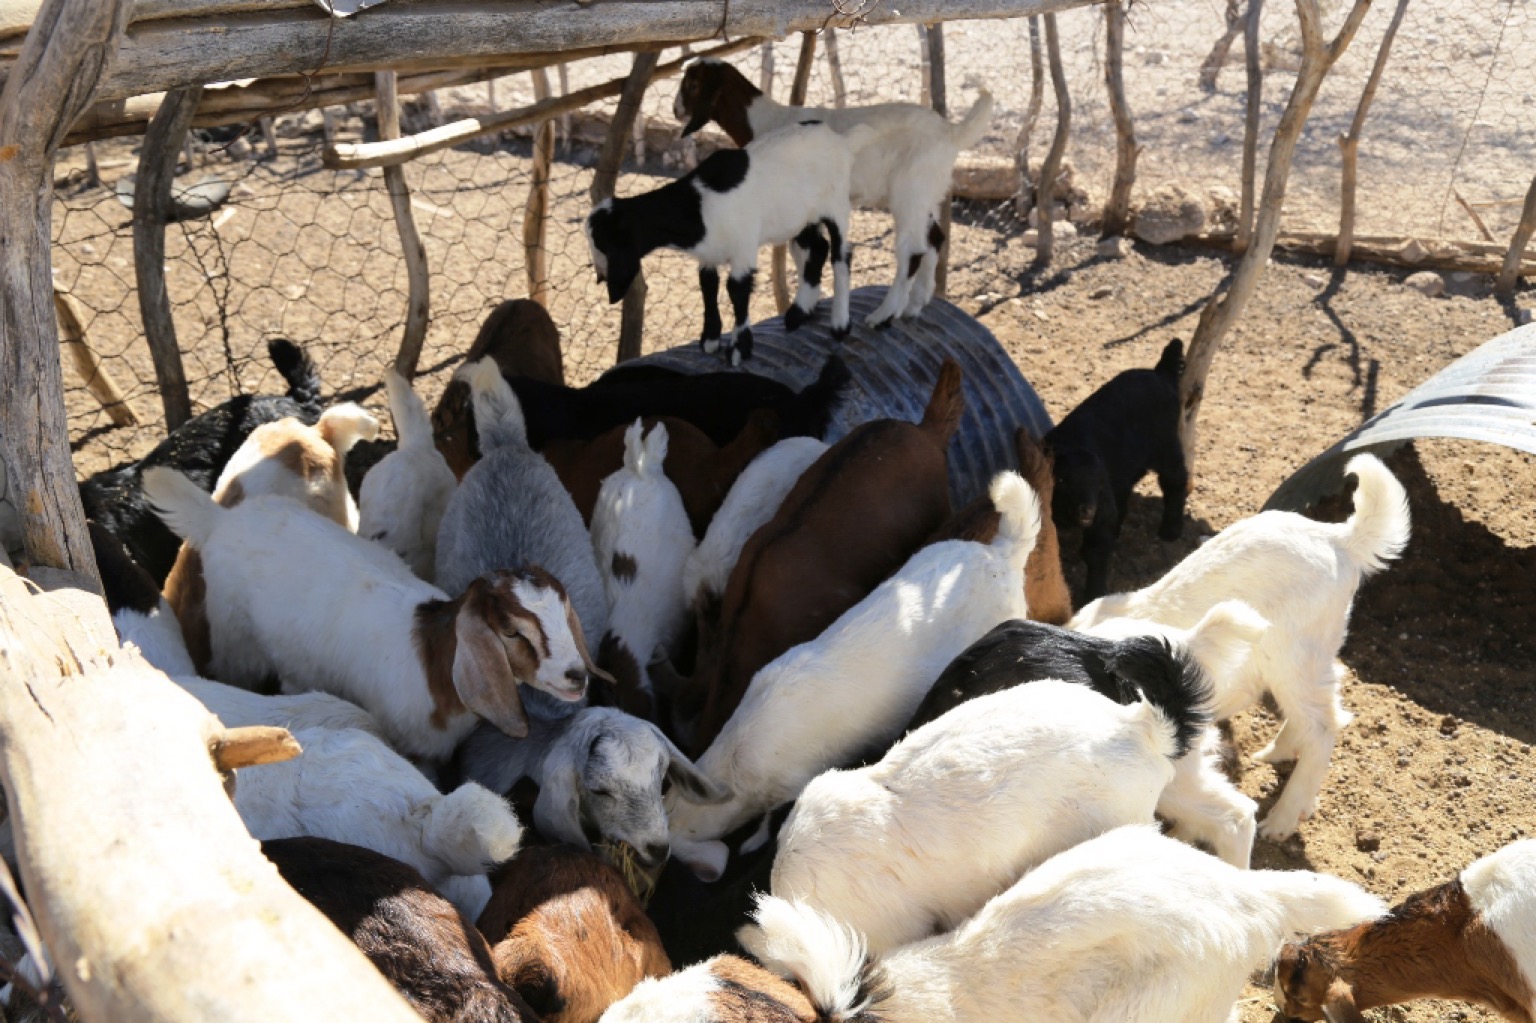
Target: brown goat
[(851, 520), (413, 935), (701, 470), (1045, 587), (525, 342), (568, 935)]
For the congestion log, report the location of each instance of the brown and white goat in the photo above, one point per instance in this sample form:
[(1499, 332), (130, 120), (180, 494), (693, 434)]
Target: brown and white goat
[(1471, 939), (568, 935), (851, 520)]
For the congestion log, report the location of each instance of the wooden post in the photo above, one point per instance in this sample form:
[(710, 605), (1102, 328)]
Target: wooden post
[(1045, 188), (1255, 99), (536, 215), (835, 69), (88, 364), (606, 178), (418, 306), (765, 75), (269, 135), (797, 91), (1026, 196), (1317, 57), (925, 67), (1349, 142), (562, 71), (151, 212), (60, 63), (939, 94), (1117, 210), (1511, 270), (1211, 66), (92, 169), (179, 921)]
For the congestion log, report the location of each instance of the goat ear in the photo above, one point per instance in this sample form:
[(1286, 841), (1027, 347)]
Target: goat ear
[(482, 674), (707, 860), (694, 785), (1339, 1004), (581, 645), (557, 811), (710, 81), (623, 268)]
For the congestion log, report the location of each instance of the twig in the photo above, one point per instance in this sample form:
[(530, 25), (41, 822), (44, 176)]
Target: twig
[(1482, 227)]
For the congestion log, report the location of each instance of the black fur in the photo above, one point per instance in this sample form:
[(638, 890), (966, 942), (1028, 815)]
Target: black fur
[(709, 287), (1120, 432), (199, 449), (739, 290), (724, 170), (935, 236), (123, 581), (416, 939), (1017, 652)]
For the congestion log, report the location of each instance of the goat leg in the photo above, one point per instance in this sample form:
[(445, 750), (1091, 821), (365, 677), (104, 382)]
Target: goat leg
[(739, 289), (709, 286), (810, 250)]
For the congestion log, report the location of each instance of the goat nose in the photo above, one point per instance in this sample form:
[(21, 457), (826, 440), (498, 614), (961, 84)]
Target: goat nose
[(578, 676), (655, 853)]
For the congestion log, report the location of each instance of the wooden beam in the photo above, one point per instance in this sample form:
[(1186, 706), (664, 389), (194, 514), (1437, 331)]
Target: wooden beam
[(151, 212), (71, 44), (605, 179), (938, 93), (536, 213), (418, 306)]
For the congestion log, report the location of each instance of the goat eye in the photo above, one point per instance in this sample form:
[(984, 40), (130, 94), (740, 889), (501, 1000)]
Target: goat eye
[(604, 793)]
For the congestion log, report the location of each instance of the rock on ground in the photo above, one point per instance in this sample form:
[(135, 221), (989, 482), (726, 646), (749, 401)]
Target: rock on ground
[(1169, 213)]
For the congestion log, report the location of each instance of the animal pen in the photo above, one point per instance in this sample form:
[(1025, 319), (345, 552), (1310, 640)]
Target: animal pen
[(182, 180)]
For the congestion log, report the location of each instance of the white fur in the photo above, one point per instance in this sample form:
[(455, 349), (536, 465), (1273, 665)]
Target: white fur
[(639, 515), (237, 707), (752, 501), (349, 787), (961, 808), (1301, 576), (855, 685), (340, 428), (682, 997), (404, 496), (1502, 889), (1129, 927), (158, 637)]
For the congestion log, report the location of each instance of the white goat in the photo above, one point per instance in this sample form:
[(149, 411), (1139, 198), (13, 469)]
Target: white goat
[(1300, 575), (293, 593), (853, 687), (404, 496), (905, 158), (642, 537)]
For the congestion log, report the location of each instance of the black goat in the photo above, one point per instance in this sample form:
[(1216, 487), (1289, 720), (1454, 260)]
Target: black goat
[(199, 449), (1120, 432)]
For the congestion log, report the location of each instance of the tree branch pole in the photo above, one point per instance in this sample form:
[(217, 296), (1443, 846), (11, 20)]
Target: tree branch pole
[(797, 92), (71, 44), (536, 214), (1117, 210), (418, 307), (1026, 197), (88, 364), (1349, 142), (835, 69), (606, 178), (1254, 106), (151, 212), (938, 91), (1211, 66), (1045, 188), (1223, 310), (1511, 269)]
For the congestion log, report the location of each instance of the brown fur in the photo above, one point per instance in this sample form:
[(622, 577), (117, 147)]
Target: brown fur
[(718, 92), (524, 341), (851, 520), (627, 693), (490, 599), (750, 994), (1432, 945), (702, 471), (568, 935)]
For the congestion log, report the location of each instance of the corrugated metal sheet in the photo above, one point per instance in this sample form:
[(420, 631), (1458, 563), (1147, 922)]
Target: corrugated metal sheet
[(1489, 395), (893, 373)]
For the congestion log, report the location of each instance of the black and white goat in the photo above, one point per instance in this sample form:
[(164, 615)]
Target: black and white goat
[(784, 187)]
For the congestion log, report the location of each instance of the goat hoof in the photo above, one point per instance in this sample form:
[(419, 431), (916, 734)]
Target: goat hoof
[(795, 317), (839, 333), (1171, 532), (736, 357), (741, 350), (883, 324), (711, 345)]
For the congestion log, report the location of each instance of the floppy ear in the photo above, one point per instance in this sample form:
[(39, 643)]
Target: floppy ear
[(581, 645), (694, 785), (707, 860), (704, 105), (557, 811), (623, 268), (1339, 1004), (482, 674)]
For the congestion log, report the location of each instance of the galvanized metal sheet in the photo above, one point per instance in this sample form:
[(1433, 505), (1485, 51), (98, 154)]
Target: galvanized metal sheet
[(1487, 395), (893, 373)]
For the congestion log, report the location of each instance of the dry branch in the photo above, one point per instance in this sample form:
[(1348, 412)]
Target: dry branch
[(1045, 188), (1349, 142), (418, 306), (939, 94), (1031, 115), (1511, 269), (536, 215), (1255, 97), (605, 179), (835, 70), (1211, 66), (87, 363), (252, 746), (1117, 210)]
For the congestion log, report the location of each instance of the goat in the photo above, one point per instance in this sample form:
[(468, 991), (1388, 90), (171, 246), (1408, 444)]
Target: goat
[(961, 808), (199, 449), (568, 935), (600, 774), (784, 187), (1202, 804), (1104, 446), (1301, 576), (1045, 588), (293, 593), (853, 687), (905, 154), (288, 458), (510, 510), (418, 941), (1470, 939), (852, 518), (404, 496), (641, 534)]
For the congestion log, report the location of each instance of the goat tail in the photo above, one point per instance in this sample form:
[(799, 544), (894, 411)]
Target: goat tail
[(413, 427), (186, 508), (1036, 463), (947, 404), (828, 959), (1380, 527), (645, 453), (810, 411), (471, 829), (1170, 682), (498, 415), (974, 125), (342, 426), (298, 369), (1018, 515), (1171, 362), (1309, 903), (1223, 639)]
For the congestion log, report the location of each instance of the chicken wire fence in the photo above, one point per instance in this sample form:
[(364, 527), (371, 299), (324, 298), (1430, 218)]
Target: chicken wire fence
[(313, 254)]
